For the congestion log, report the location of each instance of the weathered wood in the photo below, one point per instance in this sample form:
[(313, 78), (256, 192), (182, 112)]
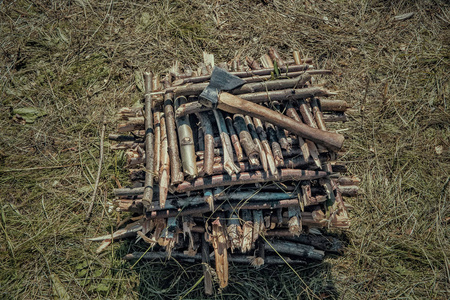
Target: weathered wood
[(276, 57), (186, 141), (149, 139), (219, 243), (334, 105), (306, 114), (247, 231), (262, 154), (247, 178), (296, 249), (164, 172), (234, 104), (228, 160), (318, 116), (208, 137), (175, 163), (252, 64), (157, 145), (234, 139), (276, 148), (266, 146), (266, 61), (206, 266), (246, 140), (242, 74)]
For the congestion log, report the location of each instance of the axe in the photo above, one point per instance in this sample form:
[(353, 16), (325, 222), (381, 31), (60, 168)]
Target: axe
[(214, 96)]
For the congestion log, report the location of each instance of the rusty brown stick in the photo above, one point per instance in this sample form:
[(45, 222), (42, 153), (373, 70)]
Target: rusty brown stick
[(336, 117), (276, 148), (247, 178), (157, 146), (308, 146), (206, 265), (306, 114), (175, 164), (318, 116), (164, 172), (262, 154), (208, 142), (266, 146), (334, 105), (149, 138), (246, 140), (234, 139)]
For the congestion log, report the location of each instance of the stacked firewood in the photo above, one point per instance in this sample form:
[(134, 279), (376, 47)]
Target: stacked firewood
[(231, 186)]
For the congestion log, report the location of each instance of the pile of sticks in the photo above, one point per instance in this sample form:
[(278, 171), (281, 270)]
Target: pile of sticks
[(231, 187)]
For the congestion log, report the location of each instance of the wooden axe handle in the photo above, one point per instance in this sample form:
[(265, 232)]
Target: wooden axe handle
[(233, 104)]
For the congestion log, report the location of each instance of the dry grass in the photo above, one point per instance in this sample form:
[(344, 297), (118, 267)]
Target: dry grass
[(78, 60)]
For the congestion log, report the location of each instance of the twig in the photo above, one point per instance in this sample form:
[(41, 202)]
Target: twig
[(99, 171)]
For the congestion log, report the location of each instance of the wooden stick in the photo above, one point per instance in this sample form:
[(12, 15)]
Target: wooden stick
[(246, 140), (306, 114), (247, 178), (234, 139), (186, 141), (276, 148), (219, 243), (99, 171), (295, 249), (164, 172), (318, 116), (228, 160), (276, 57), (242, 74), (208, 137), (334, 105), (175, 164), (206, 266), (252, 64), (262, 154), (266, 61), (157, 146), (266, 146), (148, 192), (238, 259)]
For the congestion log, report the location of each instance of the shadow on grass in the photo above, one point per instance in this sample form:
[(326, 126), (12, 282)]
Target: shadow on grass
[(172, 279)]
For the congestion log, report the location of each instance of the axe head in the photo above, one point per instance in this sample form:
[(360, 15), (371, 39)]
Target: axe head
[(221, 80)]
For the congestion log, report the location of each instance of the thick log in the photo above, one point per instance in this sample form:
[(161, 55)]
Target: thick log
[(246, 140), (186, 141), (149, 139), (208, 138), (336, 117)]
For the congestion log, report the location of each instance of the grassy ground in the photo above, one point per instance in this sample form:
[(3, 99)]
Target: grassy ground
[(80, 60)]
